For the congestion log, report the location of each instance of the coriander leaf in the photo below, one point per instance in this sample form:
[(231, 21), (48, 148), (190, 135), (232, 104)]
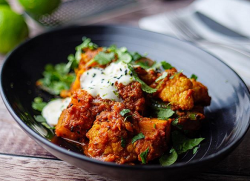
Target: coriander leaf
[(175, 123), (166, 65), (104, 58), (193, 76), (195, 150), (169, 159), (47, 126), (135, 56), (192, 116), (38, 104), (164, 113), (156, 65), (125, 57), (164, 74), (177, 73), (40, 119), (137, 137), (124, 111), (123, 142), (182, 144), (144, 155), (56, 78), (87, 43), (144, 86), (154, 126)]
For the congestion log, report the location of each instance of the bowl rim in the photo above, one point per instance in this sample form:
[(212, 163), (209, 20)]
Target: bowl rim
[(34, 135)]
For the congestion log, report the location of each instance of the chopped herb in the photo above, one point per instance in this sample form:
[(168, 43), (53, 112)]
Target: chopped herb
[(164, 113), (38, 104), (127, 117), (124, 111), (165, 74), (144, 155), (116, 93), (192, 116), (193, 76), (123, 142), (182, 144), (104, 58), (137, 137), (195, 149), (177, 73), (175, 123), (56, 78), (154, 126), (123, 54), (42, 120), (135, 56), (144, 86), (85, 44), (169, 159), (166, 65)]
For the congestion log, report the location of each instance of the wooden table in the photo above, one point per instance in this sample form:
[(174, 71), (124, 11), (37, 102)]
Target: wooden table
[(21, 158)]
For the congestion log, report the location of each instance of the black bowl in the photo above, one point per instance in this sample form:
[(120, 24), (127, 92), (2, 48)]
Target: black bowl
[(227, 116)]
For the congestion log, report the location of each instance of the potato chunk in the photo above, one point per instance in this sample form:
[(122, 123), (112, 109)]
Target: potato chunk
[(109, 138), (157, 133), (178, 91)]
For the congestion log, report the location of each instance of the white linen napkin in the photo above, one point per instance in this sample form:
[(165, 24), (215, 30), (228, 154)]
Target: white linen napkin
[(232, 14)]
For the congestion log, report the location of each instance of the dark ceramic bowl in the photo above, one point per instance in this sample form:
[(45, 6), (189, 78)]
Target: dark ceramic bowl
[(227, 116)]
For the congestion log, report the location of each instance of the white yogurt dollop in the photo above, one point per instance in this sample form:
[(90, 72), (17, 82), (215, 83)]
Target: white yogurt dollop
[(98, 81), (52, 111)]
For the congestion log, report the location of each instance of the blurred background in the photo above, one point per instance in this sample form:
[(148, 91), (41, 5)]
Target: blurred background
[(221, 27)]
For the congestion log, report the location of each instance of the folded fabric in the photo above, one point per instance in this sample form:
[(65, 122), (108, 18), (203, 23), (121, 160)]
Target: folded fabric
[(232, 14)]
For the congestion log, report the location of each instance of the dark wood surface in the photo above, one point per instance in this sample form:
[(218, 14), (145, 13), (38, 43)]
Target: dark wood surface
[(21, 158)]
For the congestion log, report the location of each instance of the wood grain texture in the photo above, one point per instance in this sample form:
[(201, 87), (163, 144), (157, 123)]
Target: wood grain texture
[(23, 168)]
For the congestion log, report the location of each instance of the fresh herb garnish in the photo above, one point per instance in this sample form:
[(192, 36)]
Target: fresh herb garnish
[(192, 116), (124, 111), (166, 65), (42, 120), (177, 73), (195, 150), (164, 113), (104, 58), (123, 142), (38, 104), (169, 159), (135, 56), (123, 54), (163, 76), (154, 126), (56, 78), (193, 76), (175, 123), (182, 144), (144, 155), (87, 43), (144, 86), (137, 137)]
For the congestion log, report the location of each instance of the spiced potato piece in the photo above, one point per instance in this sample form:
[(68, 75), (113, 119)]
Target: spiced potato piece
[(157, 134), (200, 94), (177, 90), (77, 118), (109, 137)]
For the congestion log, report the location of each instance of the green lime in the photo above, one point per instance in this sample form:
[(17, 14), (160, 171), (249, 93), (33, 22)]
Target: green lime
[(39, 7), (13, 29), (3, 2)]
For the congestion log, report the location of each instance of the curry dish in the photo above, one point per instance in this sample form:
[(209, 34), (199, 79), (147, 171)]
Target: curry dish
[(125, 108)]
